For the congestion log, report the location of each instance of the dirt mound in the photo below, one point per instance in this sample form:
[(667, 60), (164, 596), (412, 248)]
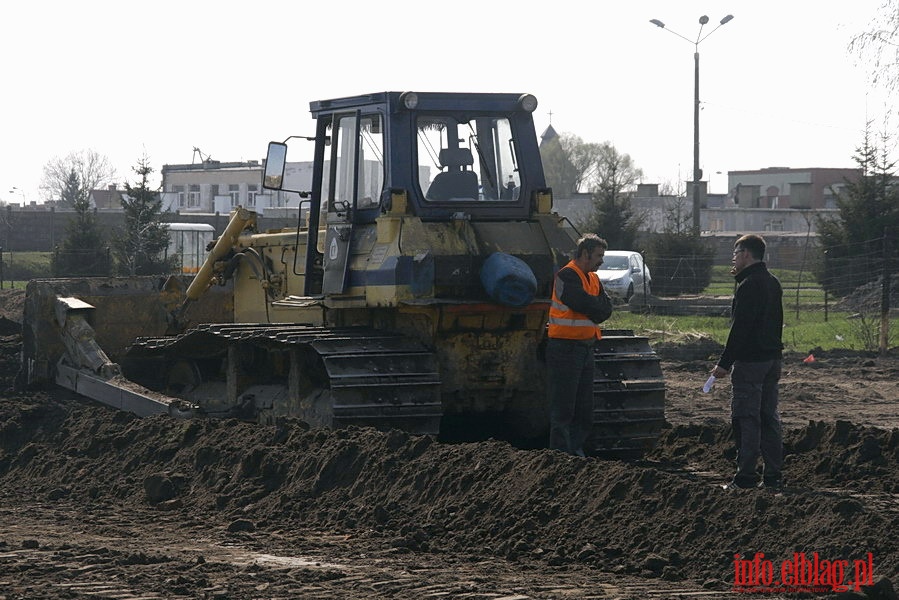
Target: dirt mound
[(867, 298), (12, 305), (664, 518), (655, 519)]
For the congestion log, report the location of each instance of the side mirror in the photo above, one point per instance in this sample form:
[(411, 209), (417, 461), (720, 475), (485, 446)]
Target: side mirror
[(275, 162)]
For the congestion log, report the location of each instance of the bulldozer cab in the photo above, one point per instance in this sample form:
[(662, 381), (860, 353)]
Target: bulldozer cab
[(435, 156)]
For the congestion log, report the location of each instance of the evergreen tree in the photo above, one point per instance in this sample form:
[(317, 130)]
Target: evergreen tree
[(681, 260), (140, 247), (868, 211), (84, 251), (72, 192)]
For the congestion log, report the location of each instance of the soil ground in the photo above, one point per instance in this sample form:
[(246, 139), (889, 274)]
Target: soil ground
[(96, 503)]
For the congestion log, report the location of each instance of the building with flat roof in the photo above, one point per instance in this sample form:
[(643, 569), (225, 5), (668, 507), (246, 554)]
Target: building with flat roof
[(214, 186), (782, 187)]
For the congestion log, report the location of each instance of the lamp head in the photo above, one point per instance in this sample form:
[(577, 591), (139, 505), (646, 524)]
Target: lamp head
[(703, 20), (657, 23), (726, 19)]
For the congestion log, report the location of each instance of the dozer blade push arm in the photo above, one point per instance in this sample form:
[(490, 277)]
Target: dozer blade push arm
[(240, 220), (79, 338)]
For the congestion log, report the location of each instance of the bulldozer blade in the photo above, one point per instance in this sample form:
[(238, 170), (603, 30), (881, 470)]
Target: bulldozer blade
[(122, 394), (123, 309)]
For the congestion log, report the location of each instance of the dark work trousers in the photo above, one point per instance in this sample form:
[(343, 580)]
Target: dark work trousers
[(756, 422), (569, 387)]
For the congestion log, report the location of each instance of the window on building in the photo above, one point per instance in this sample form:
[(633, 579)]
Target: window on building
[(179, 192), (252, 192), (716, 224), (800, 195), (193, 196), (831, 193), (774, 225), (748, 196), (234, 192)]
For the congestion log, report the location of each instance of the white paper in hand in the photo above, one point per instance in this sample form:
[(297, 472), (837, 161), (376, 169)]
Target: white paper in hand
[(708, 384)]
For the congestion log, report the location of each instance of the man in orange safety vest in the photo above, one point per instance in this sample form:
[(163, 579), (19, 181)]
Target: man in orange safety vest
[(579, 305)]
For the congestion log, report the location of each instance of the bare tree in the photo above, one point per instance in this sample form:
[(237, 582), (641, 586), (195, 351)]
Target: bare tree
[(93, 169), (567, 162), (612, 170), (878, 47)]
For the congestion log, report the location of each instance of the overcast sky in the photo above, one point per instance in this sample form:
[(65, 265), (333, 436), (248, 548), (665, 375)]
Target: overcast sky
[(777, 83)]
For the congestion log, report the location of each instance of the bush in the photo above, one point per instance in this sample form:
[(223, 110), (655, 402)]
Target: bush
[(680, 263)]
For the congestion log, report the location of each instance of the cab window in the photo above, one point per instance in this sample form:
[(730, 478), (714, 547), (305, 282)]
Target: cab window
[(466, 158), (350, 183)]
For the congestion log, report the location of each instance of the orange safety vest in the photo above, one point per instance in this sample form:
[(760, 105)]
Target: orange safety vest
[(567, 324)]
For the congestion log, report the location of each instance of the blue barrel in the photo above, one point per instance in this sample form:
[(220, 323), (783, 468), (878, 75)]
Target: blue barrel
[(508, 279)]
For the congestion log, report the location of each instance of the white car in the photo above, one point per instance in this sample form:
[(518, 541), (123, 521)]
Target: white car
[(622, 274)]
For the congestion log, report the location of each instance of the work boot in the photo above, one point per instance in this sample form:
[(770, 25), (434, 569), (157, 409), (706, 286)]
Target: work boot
[(775, 485), (731, 486)]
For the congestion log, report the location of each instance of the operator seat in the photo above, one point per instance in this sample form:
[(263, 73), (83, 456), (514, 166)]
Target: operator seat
[(458, 181)]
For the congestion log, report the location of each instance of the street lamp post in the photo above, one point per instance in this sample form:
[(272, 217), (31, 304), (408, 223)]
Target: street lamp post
[(16, 190), (697, 172)]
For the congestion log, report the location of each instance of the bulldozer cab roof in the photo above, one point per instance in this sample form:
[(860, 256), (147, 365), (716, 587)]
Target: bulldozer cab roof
[(487, 102)]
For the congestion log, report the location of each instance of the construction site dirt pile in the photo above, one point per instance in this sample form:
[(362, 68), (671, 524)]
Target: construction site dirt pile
[(93, 497)]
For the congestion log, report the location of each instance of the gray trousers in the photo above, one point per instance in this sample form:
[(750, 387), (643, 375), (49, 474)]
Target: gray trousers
[(756, 421), (569, 387)]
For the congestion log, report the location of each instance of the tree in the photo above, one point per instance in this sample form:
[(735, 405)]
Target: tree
[(613, 176), (681, 260), (72, 194), (567, 162), (84, 251), (854, 239), (140, 246), (93, 171), (878, 47)]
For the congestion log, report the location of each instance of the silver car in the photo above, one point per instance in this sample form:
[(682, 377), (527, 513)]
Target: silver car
[(623, 273)]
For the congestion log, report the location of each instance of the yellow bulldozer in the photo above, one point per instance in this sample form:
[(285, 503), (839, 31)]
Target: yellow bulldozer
[(412, 294)]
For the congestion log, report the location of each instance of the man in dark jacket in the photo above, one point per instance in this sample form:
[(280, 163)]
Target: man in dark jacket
[(752, 356)]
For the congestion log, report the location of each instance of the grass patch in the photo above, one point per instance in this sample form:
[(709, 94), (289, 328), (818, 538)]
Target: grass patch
[(809, 321), (802, 334), (22, 266)]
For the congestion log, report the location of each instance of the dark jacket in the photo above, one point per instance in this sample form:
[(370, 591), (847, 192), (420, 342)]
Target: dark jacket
[(757, 311)]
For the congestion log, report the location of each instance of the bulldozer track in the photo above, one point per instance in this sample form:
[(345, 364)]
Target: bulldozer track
[(629, 395), (375, 378), (388, 380)]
